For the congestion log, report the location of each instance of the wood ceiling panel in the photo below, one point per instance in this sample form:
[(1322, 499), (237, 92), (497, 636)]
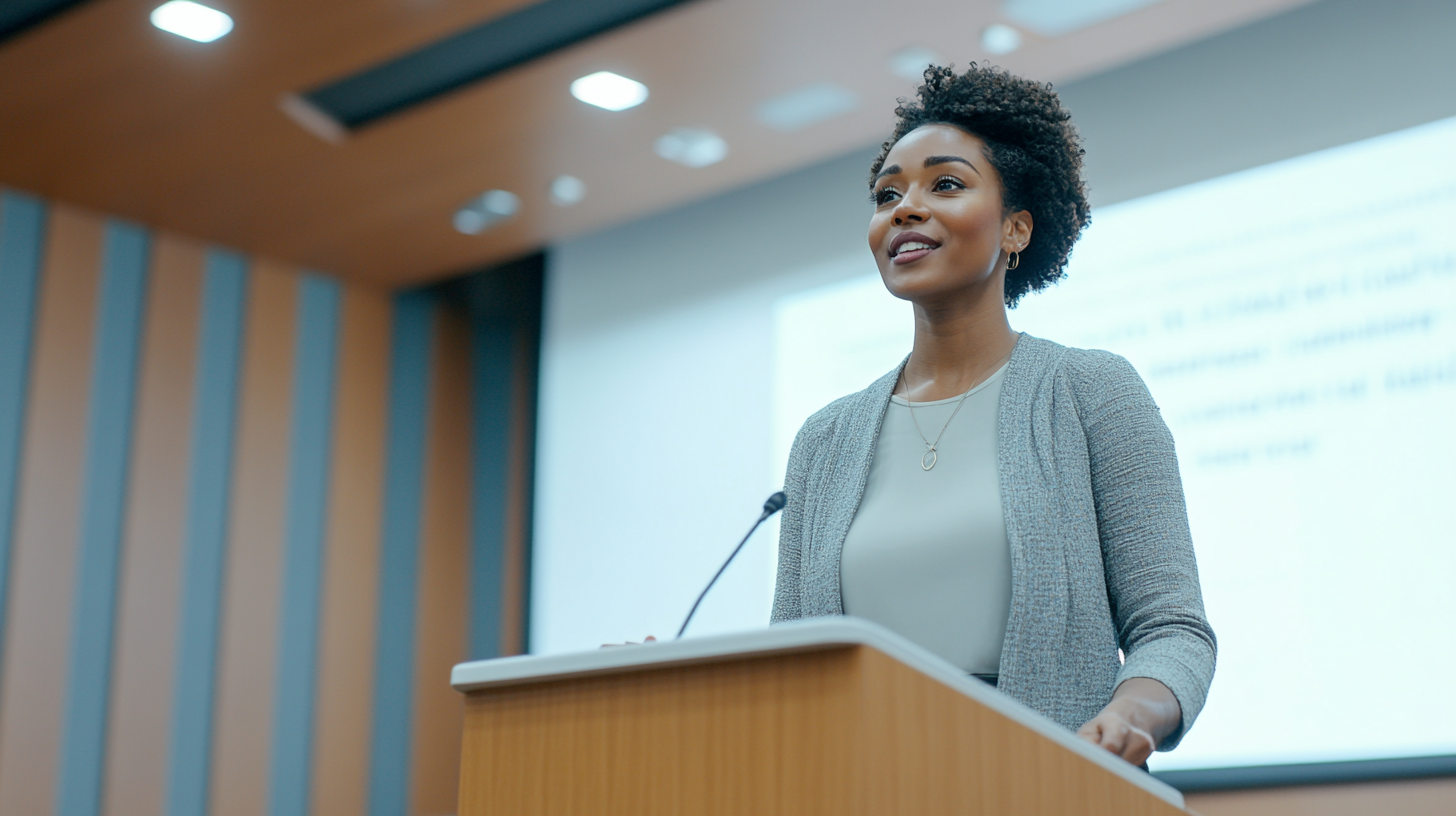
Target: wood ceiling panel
[(102, 109)]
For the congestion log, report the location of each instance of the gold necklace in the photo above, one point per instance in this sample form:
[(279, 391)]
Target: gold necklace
[(929, 458)]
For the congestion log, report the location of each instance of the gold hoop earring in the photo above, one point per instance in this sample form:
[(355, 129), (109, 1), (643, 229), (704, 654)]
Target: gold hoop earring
[(1012, 261)]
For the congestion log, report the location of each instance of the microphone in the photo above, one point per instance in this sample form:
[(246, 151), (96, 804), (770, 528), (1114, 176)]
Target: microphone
[(774, 504)]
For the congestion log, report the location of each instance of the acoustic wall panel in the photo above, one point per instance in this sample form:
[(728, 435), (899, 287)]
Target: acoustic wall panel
[(252, 591), (22, 229), (47, 520), (119, 317), (409, 397), (343, 714), (219, 345), (494, 365), (149, 606), (308, 488), (241, 538), (443, 613)]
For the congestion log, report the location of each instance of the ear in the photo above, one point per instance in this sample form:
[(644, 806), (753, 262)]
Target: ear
[(1016, 231)]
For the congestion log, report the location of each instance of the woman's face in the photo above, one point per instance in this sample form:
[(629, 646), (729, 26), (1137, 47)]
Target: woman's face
[(938, 227)]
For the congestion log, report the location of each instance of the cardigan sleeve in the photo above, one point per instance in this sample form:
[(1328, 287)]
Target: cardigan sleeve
[(789, 585), (1142, 520), (788, 594)]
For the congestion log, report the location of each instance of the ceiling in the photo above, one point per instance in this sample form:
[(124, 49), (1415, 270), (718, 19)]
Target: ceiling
[(101, 109)]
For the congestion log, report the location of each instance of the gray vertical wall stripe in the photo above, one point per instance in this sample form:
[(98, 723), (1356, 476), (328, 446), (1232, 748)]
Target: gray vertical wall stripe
[(224, 302), (409, 411), (492, 364), (119, 316), (22, 234), (303, 560)]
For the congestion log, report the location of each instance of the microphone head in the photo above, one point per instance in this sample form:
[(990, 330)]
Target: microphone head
[(775, 503)]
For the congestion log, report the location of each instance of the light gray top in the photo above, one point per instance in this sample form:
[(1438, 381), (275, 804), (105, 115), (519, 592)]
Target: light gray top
[(926, 555), (1101, 556)]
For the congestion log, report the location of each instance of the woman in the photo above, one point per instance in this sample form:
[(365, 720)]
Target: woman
[(1009, 503)]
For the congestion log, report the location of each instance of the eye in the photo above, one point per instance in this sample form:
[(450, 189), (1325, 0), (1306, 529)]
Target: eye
[(885, 195), (948, 183)]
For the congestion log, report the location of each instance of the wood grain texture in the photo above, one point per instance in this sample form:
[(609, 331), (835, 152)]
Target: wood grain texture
[(149, 584), (345, 699), (102, 109), (248, 646), (443, 610), (843, 731), (38, 624)]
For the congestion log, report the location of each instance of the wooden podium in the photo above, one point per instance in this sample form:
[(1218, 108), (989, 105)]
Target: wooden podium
[(828, 716)]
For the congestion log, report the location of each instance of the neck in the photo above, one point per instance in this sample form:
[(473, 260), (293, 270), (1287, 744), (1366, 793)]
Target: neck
[(958, 344)]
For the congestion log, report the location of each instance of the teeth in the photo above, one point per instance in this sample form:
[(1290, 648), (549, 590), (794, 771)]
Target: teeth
[(911, 246)]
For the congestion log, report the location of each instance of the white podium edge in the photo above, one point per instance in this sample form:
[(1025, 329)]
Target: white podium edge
[(810, 635)]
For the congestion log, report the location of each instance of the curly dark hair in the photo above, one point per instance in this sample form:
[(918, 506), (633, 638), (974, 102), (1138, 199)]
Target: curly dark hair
[(1029, 140)]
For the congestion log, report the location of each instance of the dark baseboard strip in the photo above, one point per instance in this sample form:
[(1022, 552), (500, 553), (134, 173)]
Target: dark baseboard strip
[(1311, 773)]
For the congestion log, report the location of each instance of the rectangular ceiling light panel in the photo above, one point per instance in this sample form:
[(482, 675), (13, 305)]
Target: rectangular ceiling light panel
[(1053, 18), (806, 106), (474, 54)]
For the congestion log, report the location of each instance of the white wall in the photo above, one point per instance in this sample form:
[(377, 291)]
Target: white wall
[(655, 416)]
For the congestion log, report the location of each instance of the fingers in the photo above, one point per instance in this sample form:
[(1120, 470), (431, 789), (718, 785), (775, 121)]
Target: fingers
[(1114, 737), (1128, 741), (1117, 736)]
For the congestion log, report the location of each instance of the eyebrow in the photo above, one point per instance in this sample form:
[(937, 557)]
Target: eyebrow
[(930, 161)]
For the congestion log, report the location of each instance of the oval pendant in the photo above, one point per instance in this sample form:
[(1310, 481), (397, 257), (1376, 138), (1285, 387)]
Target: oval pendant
[(927, 460)]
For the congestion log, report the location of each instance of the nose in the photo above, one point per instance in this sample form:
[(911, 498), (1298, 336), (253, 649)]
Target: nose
[(910, 211)]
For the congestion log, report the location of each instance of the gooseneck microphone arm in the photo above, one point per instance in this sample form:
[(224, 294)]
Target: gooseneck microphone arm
[(774, 504)]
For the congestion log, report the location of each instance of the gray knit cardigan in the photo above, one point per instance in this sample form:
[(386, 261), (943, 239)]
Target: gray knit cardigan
[(1101, 557)]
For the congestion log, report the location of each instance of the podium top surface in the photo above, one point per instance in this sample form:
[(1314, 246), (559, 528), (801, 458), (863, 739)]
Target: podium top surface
[(816, 634)]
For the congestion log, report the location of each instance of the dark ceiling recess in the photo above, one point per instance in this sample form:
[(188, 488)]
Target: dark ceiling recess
[(474, 54), (18, 15)]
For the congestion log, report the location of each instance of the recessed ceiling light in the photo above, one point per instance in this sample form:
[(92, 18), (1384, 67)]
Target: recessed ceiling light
[(608, 90), (910, 63), (692, 147), (191, 20), (1000, 39), (799, 109), (1053, 18), (567, 190), (486, 209)]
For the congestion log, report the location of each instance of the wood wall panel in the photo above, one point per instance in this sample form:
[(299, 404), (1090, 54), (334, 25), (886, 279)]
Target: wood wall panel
[(42, 576), (247, 658), (351, 577), (442, 614), (146, 623)]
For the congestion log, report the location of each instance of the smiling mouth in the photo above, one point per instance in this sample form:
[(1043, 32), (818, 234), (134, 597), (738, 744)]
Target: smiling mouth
[(911, 251)]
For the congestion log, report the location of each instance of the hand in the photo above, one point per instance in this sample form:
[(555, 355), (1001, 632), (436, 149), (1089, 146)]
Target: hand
[(1142, 712), (648, 639)]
